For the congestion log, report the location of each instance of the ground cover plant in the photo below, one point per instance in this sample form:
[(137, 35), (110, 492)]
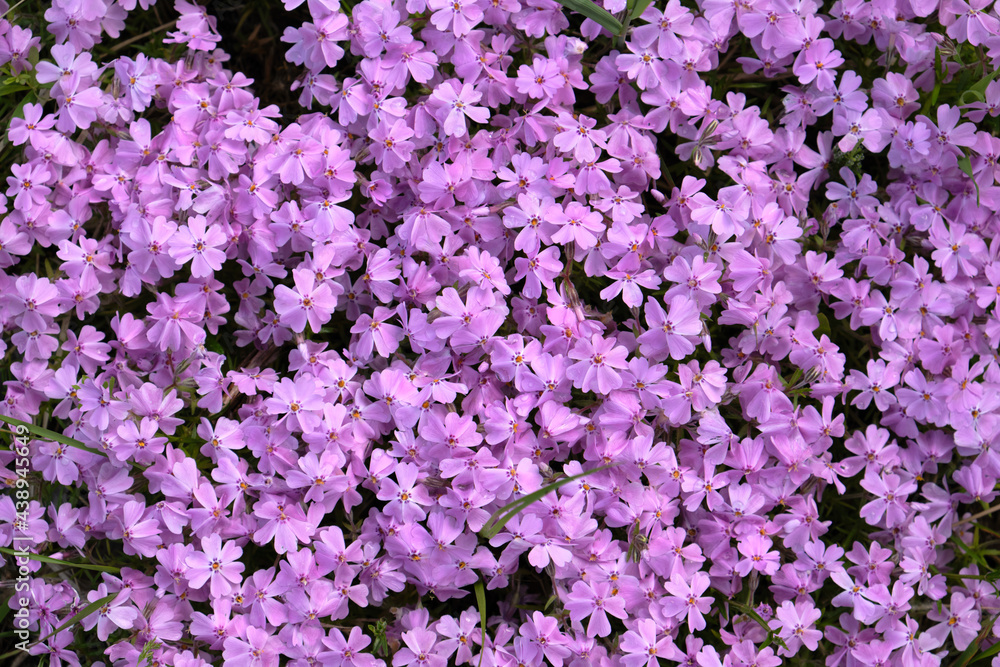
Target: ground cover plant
[(500, 332)]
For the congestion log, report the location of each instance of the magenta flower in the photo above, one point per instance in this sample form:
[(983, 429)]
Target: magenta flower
[(485, 271), (419, 650), (669, 333), (198, 242), (577, 135), (139, 534), (28, 185), (348, 652), (457, 101), (217, 564), (309, 302), (111, 615), (285, 523), (460, 15), (686, 600), (642, 647), (796, 622), (890, 497), (407, 497), (757, 555), (596, 600), (598, 359), (961, 622), (259, 649)]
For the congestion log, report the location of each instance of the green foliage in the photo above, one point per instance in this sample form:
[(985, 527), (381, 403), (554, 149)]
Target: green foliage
[(500, 518), (67, 563), (481, 603), (380, 643), (595, 13)]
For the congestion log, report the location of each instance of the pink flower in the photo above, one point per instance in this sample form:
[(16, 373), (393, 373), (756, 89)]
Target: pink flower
[(378, 333), (461, 15), (307, 303), (456, 103), (595, 600), (686, 599), (961, 622), (485, 270), (642, 647), (111, 615), (598, 358), (216, 563), (28, 185), (259, 650), (285, 523), (796, 622), (198, 242), (577, 136), (670, 332)]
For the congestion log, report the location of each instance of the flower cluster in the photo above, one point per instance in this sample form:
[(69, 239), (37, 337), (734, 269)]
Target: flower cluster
[(502, 251)]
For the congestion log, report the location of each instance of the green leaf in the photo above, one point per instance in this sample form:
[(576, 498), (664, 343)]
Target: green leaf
[(749, 611), (639, 9), (970, 96), (82, 614), (500, 518), (965, 164), (46, 434), (56, 561), (971, 650), (932, 101), (481, 603), (594, 13), (981, 85), (633, 10), (11, 88), (988, 653)]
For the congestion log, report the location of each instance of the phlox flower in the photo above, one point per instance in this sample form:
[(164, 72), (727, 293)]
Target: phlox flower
[(485, 271), (642, 647), (628, 283), (258, 649), (685, 599), (757, 555), (407, 497), (309, 303), (539, 80), (198, 242), (458, 103), (217, 564), (140, 535), (285, 523), (348, 652), (579, 137), (669, 333), (28, 185), (595, 600), (598, 358), (111, 616), (797, 621), (460, 15), (960, 621), (377, 333)]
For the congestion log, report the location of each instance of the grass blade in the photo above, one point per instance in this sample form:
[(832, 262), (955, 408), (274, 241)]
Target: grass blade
[(594, 13), (82, 614), (79, 616), (481, 603), (500, 518), (56, 561), (46, 434)]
